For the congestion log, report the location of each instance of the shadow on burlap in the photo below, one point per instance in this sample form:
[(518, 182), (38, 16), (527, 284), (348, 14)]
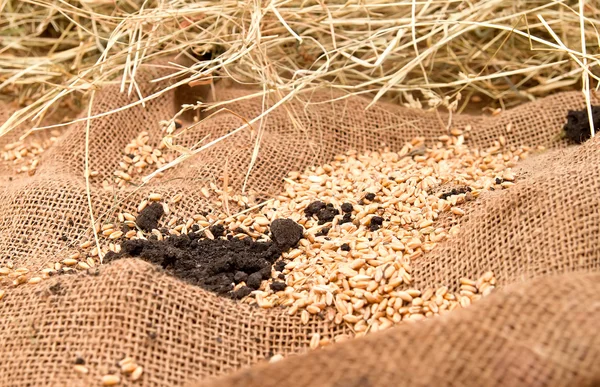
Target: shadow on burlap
[(540, 238)]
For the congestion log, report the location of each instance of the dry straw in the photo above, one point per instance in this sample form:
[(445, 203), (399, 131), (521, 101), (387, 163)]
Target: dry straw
[(418, 53)]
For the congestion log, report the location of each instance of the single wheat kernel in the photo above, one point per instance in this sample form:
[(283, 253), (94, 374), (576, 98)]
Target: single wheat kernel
[(137, 373), (110, 380), (314, 341), (80, 369)]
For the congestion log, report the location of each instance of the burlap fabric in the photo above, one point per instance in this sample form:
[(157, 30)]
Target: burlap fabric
[(540, 238)]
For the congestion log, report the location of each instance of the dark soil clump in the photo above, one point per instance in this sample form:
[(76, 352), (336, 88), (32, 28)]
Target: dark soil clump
[(216, 264), (217, 230), (242, 292), (345, 247), (278, 286), (327, 214), (314, 208), (376, 223), (324, 231), (279, 266), (286, 233), (370, 196), (347, 218), (148, 218), (577, 128), (347, 208)]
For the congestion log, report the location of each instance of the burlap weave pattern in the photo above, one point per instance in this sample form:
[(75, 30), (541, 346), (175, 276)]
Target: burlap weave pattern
[(539, 331)]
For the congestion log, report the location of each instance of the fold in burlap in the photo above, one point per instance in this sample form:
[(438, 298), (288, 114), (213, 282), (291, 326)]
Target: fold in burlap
[(540, 238)]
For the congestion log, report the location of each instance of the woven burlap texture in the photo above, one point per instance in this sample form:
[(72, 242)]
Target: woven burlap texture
[(531, 331)]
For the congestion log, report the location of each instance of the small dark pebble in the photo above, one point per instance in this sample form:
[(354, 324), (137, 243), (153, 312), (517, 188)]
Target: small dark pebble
[(71, 223), (254, 280), (278, 286), (152, 335), (125, 228), (370, 196), (79, 360), (345, 247), (347, 207), (499, 180), (313, 208), (195, 228), (63, 238)]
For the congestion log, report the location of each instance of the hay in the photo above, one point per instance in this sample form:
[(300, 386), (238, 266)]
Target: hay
[(417, 53)]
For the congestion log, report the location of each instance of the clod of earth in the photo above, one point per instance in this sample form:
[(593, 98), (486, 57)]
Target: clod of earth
[(286, 233), (327, 214), (148, 218), (376, 223), (347, 207), (577, 128), (314, 208), (216, 264)]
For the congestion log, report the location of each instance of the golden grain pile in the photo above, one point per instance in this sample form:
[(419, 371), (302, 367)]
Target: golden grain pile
[(359, 271), (382, 211)]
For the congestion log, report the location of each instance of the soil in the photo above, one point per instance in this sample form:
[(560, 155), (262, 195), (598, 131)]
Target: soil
[(327, 214), (279, 266), (214, 264), (278, 286), (148, 218), (286, 233), (324, 231), (375, 223), (577, 128), (457, 191), (314, 208), (347, 218)]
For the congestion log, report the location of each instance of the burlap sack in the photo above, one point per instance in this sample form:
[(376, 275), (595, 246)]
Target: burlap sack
[(540, 238)]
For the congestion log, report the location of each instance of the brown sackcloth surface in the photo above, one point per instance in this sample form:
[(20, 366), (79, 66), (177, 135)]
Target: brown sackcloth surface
[(540, 238)]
